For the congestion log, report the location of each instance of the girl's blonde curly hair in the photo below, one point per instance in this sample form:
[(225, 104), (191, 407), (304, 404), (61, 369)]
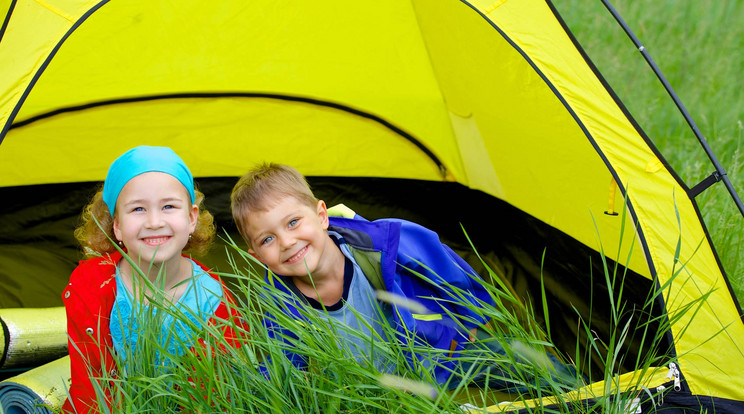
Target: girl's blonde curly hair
[(96, 233)]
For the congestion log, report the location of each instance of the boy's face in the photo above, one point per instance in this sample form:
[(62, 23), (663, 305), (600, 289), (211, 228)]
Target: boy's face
[(290, 237)]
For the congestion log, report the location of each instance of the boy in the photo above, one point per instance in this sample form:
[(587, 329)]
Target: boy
[(332, 262)]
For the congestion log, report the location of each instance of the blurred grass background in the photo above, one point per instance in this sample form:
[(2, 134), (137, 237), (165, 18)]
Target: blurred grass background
[(698, 46)]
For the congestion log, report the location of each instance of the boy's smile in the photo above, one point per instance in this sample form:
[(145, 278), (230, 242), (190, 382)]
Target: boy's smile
[(297, 256), (290, 238)]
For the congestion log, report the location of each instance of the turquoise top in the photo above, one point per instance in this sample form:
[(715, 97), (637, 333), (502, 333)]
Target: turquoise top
[(178, 323)]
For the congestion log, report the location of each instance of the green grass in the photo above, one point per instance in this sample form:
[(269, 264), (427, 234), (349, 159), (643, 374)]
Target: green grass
[(698, 47), (256, 377)]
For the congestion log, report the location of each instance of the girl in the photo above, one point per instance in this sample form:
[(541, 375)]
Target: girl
[(149, 207)]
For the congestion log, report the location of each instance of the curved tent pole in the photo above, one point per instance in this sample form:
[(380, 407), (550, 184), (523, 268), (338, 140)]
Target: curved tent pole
[(719, 174), (35, 75), (7, 18)]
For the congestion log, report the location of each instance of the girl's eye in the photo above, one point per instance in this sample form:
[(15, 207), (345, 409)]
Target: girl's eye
[(267, 240), (168, 207), (137, 209), (293, 222)]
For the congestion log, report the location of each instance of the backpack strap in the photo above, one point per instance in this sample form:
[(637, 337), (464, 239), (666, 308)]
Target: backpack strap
[(340, 210), (369, 261)]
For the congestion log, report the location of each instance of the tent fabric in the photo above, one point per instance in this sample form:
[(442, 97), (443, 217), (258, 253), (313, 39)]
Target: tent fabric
[(494, 95)]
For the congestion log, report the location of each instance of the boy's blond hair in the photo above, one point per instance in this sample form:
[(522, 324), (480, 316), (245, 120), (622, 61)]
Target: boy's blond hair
[(264, 185), (96, 216)]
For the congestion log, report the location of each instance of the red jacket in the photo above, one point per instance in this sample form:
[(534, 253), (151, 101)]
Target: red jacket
[(88, 299)]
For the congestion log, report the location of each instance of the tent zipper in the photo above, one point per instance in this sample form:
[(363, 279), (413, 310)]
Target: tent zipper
[(674, 373)]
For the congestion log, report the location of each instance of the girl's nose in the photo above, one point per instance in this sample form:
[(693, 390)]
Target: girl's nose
[(154, 219)]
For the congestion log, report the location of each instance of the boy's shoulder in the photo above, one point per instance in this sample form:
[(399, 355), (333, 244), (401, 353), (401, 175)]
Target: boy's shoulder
[(360, 232), (390, 235), (342, 216), (389, 227)]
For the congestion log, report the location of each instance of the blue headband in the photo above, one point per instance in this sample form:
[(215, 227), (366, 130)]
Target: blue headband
[(140, 160)]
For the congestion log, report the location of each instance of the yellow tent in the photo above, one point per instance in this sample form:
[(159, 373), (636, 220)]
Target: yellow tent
[(482, 112)]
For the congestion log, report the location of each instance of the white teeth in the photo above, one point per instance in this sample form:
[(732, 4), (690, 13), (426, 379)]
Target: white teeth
[(154, 241), (296, 255)]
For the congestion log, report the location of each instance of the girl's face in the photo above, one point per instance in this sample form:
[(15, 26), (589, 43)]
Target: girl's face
[(154, 218)]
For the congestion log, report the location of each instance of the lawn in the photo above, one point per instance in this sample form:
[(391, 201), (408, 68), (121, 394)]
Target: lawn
[(697, 46)]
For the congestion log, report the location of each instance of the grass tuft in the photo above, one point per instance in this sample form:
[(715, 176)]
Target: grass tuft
[(256, 377)]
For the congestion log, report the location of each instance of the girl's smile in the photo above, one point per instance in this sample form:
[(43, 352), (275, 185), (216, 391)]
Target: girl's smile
[(156, 241)]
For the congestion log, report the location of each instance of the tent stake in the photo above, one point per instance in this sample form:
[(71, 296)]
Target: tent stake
[(719, 173)]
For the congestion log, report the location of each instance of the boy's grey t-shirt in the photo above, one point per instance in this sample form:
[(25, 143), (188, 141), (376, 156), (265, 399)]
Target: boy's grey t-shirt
[(360, 318)]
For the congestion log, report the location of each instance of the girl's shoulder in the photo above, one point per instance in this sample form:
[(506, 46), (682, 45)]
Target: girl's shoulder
[(96, 270), (206, 270), (92, 283)]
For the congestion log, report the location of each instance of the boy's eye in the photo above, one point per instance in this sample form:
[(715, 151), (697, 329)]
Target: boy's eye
[(293, 222), (267, 239)]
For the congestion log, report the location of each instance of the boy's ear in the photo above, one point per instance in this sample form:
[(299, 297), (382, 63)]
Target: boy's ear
[(255, 256), (322, 211)]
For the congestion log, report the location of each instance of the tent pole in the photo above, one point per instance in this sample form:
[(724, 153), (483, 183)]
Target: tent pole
[(720, 173)]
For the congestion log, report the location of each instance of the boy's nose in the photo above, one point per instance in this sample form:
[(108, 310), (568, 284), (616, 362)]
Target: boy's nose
[(286, 241)]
